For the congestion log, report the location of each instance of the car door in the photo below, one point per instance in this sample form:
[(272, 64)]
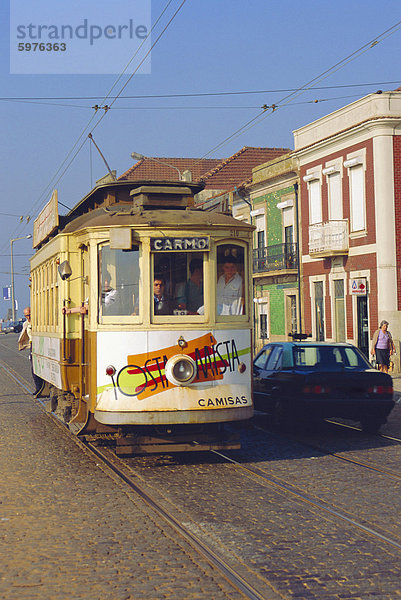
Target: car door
[(259, 365), (265, 379)]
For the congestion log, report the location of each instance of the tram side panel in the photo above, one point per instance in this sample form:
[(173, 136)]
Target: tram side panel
[(57, 337)]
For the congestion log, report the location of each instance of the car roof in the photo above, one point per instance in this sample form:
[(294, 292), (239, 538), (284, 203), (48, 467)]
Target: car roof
[(310, 343)]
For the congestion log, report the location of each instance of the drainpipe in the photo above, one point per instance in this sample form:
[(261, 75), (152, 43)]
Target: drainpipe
[(237, 191), (298, 259)]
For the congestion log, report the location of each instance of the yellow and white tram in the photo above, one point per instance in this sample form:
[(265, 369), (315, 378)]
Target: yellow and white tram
[(141, 317)]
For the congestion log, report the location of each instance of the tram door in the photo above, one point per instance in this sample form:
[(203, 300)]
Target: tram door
[(85, 358), (363, 326)]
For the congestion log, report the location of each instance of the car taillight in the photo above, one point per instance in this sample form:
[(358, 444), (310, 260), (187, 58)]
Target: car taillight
[(316, 389), (380, 389)]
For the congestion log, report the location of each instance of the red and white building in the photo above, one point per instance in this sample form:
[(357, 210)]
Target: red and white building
[(350, 201)]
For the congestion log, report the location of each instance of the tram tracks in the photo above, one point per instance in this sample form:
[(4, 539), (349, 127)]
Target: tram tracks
[(119, 468), (109, 460), (360, 463), (347, 426), (130, 477), (267, 479), (241, 582), (313, 501), (287, 488)]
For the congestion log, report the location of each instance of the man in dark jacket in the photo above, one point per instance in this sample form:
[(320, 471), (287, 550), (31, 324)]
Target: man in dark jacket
[(162, 304)]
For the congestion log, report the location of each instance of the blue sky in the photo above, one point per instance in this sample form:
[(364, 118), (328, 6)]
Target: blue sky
[(211, 46)]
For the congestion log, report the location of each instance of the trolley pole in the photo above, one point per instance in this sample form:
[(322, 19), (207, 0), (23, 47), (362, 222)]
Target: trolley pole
[(25, 237)]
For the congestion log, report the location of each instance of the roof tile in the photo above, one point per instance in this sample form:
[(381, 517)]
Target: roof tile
[(217, 174)]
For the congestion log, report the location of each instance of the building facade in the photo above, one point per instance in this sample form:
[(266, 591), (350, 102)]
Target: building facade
[(273, 195), (350, 206)]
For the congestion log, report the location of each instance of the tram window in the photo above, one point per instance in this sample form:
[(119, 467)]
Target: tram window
[(178, 283), (230, 292), (119, 281)]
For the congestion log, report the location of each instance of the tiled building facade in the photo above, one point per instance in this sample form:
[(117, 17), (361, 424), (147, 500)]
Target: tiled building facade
[(273, 196)]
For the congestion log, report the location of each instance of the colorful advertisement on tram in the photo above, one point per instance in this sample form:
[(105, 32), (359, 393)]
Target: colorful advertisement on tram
[(132, 373)]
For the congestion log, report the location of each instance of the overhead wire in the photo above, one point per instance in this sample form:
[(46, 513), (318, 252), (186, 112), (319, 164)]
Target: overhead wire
[(53, 181), (307, 86), (124, 86), (294, 93), (201, 94)]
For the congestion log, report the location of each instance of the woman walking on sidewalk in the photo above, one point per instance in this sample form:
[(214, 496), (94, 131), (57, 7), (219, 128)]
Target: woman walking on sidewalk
[(382, 346)]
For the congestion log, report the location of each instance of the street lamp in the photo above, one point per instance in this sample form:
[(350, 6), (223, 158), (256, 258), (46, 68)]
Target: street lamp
[(25, 237), (137, 156)]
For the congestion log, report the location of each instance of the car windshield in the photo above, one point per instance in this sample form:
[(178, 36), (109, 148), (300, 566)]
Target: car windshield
[(331, 358)]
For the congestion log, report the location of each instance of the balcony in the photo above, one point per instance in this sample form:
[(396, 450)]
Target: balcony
[(328, 239), (280, 257)]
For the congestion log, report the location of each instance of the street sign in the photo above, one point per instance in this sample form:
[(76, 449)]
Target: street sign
[(359, 286), (7, 293)]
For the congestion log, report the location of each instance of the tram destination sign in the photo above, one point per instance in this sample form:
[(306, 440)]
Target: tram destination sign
[(178, 244), (47, 221)]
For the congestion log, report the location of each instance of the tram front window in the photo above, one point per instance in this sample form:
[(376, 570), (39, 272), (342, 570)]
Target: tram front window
[(230, 293), (119, 281), (178, 284)]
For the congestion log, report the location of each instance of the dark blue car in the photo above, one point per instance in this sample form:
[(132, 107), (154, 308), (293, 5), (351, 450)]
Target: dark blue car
[(300, 381), (13, 326)]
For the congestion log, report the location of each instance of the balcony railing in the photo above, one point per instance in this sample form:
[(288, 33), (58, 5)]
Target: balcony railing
[(275, 258), (328, 239)]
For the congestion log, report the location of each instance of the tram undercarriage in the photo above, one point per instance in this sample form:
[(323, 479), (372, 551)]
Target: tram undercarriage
[(165, 436)]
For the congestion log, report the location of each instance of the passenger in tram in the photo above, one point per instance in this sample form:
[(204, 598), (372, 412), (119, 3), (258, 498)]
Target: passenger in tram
[(109, 294), (192, 298), (230, 289), (25, 341), (162, 304), (111, 298)]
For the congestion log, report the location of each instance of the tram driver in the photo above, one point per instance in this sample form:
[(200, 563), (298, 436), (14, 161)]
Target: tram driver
[(162, 305)]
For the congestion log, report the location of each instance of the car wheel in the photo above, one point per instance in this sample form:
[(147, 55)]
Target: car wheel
[(281, 416), (370, 425)]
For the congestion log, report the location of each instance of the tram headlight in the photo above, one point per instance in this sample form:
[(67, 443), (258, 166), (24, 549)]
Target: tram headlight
[(181, 369)]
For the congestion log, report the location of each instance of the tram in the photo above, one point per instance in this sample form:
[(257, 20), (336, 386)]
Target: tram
[(141, 320)]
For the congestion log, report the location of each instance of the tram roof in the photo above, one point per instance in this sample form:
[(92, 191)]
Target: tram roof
[(123, 215), (92, 210), (95, 194)]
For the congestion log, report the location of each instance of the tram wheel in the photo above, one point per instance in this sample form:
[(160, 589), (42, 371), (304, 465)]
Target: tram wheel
[(281, 417)]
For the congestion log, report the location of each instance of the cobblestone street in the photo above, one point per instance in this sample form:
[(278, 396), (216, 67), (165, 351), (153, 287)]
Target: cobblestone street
[(68, 530), (71, 529)]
